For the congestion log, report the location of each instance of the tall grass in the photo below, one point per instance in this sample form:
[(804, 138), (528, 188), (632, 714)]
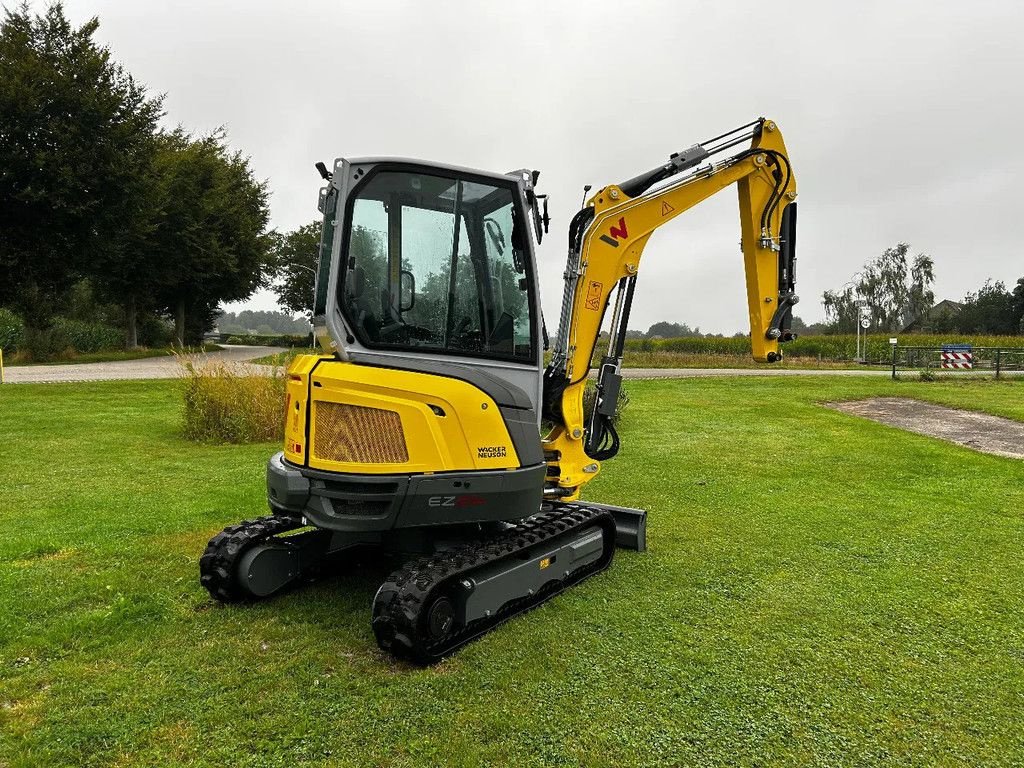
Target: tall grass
[(231, 404)]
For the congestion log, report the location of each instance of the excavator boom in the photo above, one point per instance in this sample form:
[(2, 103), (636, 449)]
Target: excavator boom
[(606, 242)]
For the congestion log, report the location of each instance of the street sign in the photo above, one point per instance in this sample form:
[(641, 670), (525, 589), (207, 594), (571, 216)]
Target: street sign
[(865, 323)]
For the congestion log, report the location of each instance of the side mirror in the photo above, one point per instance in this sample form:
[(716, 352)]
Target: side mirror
[(407, 286)]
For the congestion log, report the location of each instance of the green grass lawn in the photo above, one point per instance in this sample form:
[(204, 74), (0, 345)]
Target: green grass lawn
[(819, 589)]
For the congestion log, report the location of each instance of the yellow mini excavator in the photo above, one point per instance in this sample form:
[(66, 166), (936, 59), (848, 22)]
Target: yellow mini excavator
[(417, 431)]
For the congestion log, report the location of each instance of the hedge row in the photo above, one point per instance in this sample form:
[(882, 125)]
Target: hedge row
[(252, 340), (63, 335)]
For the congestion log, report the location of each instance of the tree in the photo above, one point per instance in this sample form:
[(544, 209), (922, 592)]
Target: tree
[(295, 256), (75, 140), (841, 315), (1018, 305), (667, 330), (128, 271), (991, 311), (894, 292), (210, 236)]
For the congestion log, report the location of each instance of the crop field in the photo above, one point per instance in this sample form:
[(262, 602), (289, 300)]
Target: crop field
[(819, 590), (831, 348)]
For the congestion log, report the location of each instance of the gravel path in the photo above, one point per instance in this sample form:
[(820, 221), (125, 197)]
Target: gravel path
[(148, 368), (979, 431)]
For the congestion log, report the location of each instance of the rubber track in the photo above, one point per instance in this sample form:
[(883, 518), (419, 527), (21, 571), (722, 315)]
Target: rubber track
[(407, 593), (219, 564)]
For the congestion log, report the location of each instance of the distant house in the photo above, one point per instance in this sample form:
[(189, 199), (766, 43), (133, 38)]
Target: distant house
[(933, 315)]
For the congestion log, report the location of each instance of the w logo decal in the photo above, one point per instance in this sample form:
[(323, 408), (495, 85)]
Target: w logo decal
[(618, 232)]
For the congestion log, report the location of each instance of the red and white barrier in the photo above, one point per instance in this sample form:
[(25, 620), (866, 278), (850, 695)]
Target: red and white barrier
[(959, 360)]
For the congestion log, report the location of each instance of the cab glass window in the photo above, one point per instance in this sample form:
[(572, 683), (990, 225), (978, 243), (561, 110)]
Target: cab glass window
[(436, 262)]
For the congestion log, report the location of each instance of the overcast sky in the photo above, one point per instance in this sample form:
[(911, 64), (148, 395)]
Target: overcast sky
[(901, 118)]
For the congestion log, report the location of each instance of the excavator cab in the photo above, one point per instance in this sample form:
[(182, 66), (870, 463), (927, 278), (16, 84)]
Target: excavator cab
[(433, 263)]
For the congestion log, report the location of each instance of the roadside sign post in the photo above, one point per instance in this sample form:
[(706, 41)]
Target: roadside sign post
[(863, 321), (894, 342)]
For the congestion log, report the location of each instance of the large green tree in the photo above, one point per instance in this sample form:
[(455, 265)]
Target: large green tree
[(666, 330), (76, 140), (1018, 305), (210, 235), (295, 256), (990, 310), (893, 287)]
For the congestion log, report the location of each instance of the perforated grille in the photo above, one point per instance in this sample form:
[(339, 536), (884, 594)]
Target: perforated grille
[(357, 434)]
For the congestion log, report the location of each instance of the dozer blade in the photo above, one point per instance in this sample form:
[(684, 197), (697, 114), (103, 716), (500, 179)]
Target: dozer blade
[(434, 605), (630, 525)]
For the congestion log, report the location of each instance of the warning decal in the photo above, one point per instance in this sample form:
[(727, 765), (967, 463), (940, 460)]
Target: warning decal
[(666, 209), (594, 296)]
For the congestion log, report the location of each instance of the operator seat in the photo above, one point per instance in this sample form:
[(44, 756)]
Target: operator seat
[(364, 316)]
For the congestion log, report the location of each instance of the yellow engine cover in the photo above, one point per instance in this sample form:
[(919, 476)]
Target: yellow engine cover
[(366, 420)]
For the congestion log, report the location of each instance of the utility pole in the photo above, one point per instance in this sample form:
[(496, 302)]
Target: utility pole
[(859, 305)]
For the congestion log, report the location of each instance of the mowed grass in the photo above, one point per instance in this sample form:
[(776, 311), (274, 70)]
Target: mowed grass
[(819, 589)]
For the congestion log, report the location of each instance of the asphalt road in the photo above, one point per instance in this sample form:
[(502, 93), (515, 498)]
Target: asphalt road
[(168, 368), (148, 368)]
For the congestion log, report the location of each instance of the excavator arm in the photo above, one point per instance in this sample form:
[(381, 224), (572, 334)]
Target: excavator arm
[(606, 242)]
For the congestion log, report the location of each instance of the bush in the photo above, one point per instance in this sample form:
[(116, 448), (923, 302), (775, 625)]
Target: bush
[(41, 344), (11, 331), (227, 404), (66, 337), (82, 336), (154, 332)]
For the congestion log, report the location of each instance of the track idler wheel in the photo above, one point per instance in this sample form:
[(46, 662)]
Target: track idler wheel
[(440, 619), (246, 562)]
